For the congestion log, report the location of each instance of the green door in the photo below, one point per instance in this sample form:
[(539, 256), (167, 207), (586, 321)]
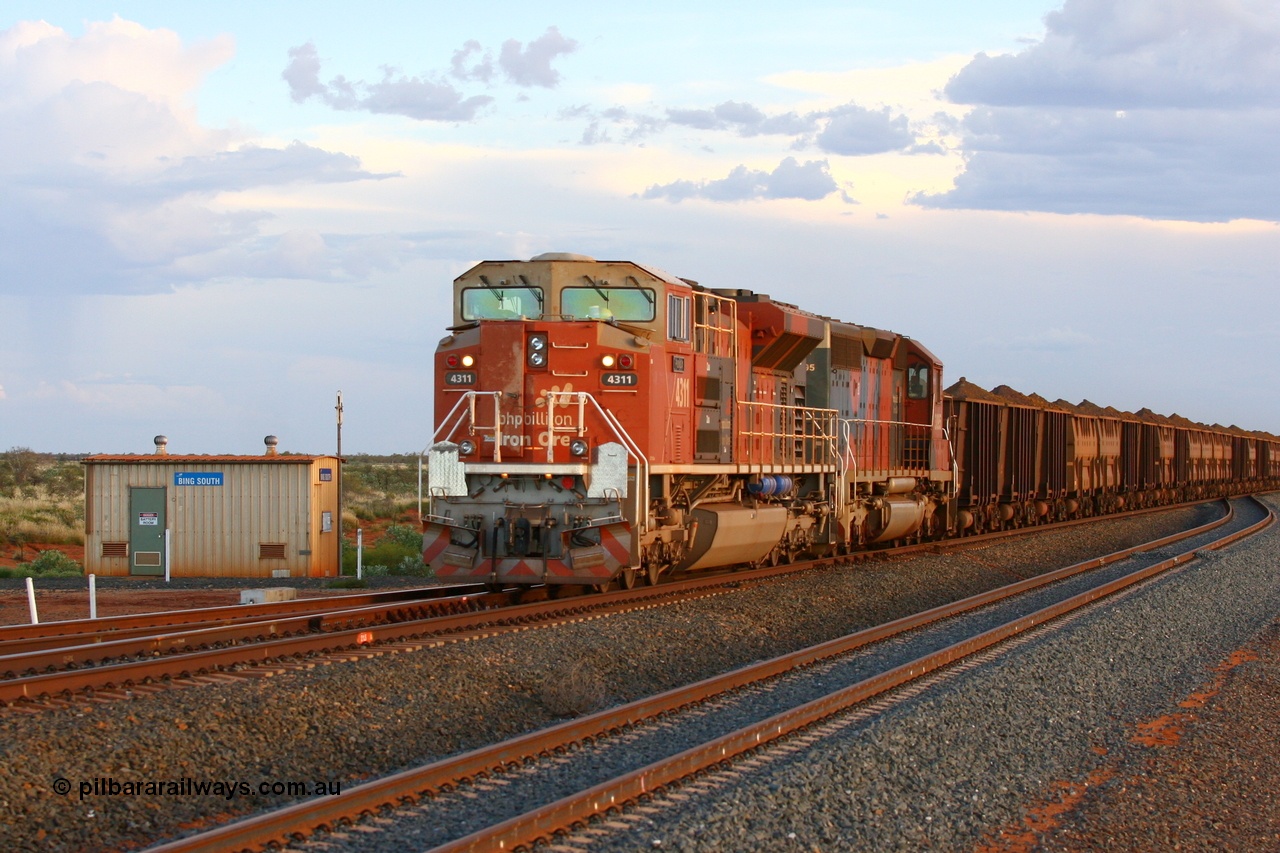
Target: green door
[(146, 531)]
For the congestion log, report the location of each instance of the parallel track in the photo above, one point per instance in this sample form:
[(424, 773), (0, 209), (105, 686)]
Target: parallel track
[(219, 641), (545, 822)]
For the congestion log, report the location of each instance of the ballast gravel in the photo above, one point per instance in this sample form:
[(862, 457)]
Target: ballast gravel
[(140, 771), (995, 758)]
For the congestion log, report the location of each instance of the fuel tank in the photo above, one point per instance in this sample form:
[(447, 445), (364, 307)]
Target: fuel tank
[(893, 517), (728, 533)]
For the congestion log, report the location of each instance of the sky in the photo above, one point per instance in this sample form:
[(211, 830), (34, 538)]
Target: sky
[(215, 217)]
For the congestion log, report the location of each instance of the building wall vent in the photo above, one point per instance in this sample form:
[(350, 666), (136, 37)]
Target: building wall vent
[(271, 550)]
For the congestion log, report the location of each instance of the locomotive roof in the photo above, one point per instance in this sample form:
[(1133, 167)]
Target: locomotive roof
[(571, 257)]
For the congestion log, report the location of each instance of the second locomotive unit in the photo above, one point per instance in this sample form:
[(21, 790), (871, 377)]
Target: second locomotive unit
[(602, 420)]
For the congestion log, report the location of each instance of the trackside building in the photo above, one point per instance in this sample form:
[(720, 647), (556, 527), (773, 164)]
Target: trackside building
[(212, 516)]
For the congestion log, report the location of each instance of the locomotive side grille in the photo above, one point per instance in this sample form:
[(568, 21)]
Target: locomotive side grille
[(708, 441), (845, 353), (709, 390)]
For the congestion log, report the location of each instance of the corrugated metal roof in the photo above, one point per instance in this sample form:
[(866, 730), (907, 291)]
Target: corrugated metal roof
[(145, 458)]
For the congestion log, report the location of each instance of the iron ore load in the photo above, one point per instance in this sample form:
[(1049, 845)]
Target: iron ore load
[(601, 421)]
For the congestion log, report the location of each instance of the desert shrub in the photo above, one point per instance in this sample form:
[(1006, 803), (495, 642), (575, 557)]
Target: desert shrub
[(390, 550), (406, 536), (19, 468), (64, 480), (412, 567), (54, 564)]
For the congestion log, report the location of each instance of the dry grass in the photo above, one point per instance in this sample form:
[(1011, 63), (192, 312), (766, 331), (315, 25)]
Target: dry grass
[(42, 518), (573, 690)]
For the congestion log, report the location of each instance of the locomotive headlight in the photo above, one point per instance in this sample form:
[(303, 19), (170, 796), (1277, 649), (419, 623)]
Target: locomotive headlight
[(537, 350), (578, 447), (466, 447), (607, 361), (467, 361)]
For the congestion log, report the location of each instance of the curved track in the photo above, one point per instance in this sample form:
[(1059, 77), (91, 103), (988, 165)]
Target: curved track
[(108, 656), (543, 821)]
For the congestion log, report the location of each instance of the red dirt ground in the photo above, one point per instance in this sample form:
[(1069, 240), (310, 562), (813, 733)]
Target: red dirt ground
[(9, 559), (55, 606), (59, 605)]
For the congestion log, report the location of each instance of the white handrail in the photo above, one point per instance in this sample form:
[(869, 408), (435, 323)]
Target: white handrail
[(619, 432), (468, 398)]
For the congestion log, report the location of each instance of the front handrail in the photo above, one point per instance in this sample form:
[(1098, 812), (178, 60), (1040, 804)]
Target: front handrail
[(582, 398), (454, 419)]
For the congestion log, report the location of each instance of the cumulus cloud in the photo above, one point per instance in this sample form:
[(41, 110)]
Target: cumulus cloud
[(856, 130), (849, 129), (418, 98), (431, 97), (107, 178), (531, 66), (809, 181), (744, 120), (1140, 54), (481, 68), (1158, 108)]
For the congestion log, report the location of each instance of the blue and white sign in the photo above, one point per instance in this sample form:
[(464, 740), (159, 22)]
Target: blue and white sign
[(198, 478)]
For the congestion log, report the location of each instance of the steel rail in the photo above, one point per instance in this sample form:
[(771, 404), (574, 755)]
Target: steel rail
[(331, 633), (345, 630), (370, 797), (15, 639), (12, 637), (543, 823), (132, 643)]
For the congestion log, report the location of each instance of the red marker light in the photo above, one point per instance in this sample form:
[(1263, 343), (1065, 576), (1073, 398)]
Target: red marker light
[(626, 362), (451, 361)]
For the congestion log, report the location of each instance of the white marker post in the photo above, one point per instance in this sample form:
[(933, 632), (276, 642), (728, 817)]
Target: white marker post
[(359, 553), (31, 601), (93, 596), (166, 555)]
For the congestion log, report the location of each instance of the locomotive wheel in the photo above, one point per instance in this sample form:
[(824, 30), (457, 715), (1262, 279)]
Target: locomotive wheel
[(627, 578), (652, 572)]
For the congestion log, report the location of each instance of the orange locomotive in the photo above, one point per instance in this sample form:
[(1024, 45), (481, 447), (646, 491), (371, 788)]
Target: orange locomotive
[(603, 419)]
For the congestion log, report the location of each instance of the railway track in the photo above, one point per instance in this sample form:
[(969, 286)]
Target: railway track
[(955, 632), (117, 657)]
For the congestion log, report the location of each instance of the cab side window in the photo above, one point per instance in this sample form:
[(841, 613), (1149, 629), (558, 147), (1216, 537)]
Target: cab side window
[(678, 317), (918, 382)]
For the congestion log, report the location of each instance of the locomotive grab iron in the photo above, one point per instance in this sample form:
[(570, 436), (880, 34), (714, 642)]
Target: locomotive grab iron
[(604, 420)]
